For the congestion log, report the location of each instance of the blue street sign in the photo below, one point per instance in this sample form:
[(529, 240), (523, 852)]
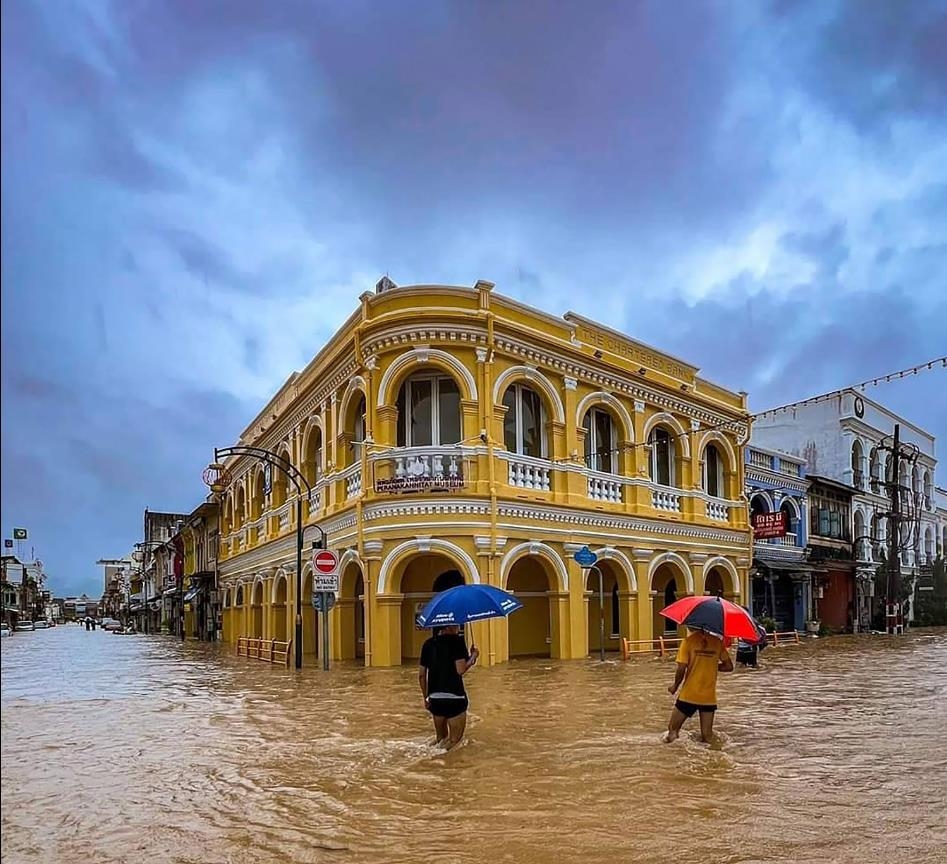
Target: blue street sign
[(585, 557), (323, 601)]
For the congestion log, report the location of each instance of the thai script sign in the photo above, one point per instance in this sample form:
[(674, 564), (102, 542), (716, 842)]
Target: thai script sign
[(766, 525)]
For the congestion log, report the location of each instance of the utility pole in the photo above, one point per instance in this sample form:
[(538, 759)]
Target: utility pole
[(893, 623)]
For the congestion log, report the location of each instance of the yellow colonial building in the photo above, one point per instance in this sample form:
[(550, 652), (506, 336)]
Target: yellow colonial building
[(454, 434)]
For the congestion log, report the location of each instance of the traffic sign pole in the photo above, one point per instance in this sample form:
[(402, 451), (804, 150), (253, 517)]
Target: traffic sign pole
[(325, 574), (586, 559)]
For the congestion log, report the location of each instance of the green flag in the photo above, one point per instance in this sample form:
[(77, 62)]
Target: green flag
[(20, 534)]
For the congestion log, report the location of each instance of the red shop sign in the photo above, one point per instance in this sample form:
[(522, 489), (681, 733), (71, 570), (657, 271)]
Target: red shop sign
[(766, 525)]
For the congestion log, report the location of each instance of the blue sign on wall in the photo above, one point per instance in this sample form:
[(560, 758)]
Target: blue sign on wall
[(585, 557)]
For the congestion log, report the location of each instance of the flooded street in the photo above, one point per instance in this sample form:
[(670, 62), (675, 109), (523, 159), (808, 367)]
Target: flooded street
[(128, 749)]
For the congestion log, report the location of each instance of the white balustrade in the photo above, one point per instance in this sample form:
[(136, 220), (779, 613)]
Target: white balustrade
[(529, 475), (604, 488), (667, 499), (428, 466), (760, 460), (718, 510), (353, 483)]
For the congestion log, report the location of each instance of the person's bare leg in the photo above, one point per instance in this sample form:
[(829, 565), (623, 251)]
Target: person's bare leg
[(707, 726), (674, 725), (440, 731), (456, 726)]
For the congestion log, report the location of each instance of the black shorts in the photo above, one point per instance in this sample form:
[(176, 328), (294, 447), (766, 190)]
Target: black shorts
[(688, 709), (447, 707)]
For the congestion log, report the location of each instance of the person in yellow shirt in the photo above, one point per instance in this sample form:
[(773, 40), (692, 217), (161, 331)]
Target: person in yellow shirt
[(699, 659)]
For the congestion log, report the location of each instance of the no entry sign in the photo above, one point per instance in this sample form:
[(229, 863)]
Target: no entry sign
[(325, 570)]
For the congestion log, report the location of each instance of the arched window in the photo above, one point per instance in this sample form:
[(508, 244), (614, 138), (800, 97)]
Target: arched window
[(929, 545), (358, 430), (875, 471), (662, 456), (239, 599), (600, 441), (312, 459), (928, 491), (758, 506), (790, 517), (524, 424), (429, 411), (858, 478), (861, 541), (713, 472), (257, 502)]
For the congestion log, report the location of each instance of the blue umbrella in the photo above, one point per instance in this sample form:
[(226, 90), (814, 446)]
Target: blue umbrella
[(466, 603)]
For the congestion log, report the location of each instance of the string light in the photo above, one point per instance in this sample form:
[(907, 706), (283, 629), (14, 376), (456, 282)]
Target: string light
[(811, 400)]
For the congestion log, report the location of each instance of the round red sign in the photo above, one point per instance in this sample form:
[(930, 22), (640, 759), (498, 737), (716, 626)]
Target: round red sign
[(325, 561)]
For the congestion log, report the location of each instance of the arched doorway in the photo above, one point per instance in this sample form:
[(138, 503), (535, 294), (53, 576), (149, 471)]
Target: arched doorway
[(238, 618), (256, 611), (670, 585), (613, 585), (352, 613), (424, 575), (714, 585), (530, 628), (279, 611)]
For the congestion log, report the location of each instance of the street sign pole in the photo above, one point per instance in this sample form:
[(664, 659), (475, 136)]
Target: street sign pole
[(586, 559), (325, 570), (325, 631)]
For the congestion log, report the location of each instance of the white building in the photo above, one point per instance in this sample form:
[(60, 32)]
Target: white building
[(843, 438)]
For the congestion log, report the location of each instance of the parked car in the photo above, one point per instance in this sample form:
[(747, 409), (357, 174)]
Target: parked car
[(111, 624), (24, 626), (4, 630), (40, 624)]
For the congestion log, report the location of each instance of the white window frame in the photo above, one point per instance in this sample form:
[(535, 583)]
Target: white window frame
[(518, 409), (672, 456), (592, 443), (434, 380), (720, 472)]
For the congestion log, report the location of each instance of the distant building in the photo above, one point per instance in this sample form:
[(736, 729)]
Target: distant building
[(842, 439), (782, 585), (78, 608)]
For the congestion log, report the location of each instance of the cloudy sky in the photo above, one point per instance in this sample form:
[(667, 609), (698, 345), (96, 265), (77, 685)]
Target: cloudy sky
[(195, 193)]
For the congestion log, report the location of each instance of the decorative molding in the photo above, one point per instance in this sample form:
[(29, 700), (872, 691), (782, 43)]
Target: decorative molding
[(639, 406), (445, 547), (533, 547), (675, 560), (570, 383), (534, 376), (600, 397), (697, 557), (422, 354), (372, 547), (481, 355)]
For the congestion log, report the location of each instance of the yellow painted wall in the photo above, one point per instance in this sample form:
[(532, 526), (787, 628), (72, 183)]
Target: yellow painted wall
[(530, 629)]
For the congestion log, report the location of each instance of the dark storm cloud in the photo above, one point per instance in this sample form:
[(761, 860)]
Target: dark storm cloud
[(195, 193)]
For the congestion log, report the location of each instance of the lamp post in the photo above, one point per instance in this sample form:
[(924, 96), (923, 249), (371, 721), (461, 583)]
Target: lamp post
[(299, 481)]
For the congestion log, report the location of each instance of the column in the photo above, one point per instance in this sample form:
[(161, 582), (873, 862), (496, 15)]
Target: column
[(387, 631), (642, 558), (697, 561)]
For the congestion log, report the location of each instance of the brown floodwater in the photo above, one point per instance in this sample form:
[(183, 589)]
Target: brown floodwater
[(143, 749)]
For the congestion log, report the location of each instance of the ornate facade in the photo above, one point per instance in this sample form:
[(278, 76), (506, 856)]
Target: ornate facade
[(452, 433)]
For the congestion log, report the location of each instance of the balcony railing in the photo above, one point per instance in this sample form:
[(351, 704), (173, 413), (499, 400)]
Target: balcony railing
[(605, 487), (667, 499), (760, 460), (528, 472), (420, 469), (858, 478), (791, 468), (718, 509)]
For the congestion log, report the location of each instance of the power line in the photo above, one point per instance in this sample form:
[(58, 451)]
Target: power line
[(812, 400)]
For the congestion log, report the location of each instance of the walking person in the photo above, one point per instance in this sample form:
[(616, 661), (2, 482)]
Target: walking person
[(443, 664), (699, 659)]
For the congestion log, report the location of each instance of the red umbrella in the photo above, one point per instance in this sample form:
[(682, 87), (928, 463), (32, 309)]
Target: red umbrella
[(713, 615)]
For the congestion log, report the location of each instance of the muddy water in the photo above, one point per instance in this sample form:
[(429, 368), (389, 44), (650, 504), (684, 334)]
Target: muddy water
[(128, 749)]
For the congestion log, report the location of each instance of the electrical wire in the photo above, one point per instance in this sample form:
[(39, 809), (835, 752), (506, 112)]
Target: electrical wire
[(599, 453)]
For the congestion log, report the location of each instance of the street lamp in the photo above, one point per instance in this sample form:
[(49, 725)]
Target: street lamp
[(299, 481)]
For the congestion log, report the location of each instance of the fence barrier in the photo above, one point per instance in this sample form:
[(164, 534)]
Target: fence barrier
[(664, 646), (268, 650)]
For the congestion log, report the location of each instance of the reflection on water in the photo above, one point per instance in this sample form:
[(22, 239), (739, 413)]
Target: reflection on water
[(140, 748)]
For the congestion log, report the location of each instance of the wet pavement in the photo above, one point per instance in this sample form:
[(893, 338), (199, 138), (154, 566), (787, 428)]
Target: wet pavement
[(140, 748)]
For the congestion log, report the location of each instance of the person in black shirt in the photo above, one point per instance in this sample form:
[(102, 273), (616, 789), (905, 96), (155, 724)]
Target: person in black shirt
[(444, 662)]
